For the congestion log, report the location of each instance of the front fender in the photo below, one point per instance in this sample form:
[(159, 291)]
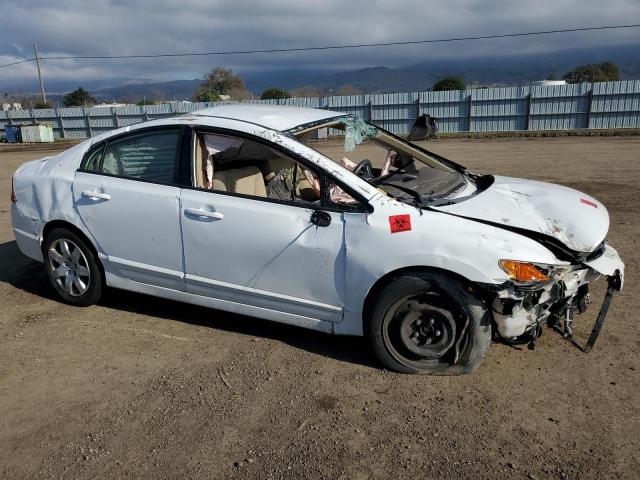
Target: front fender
[(436, 240)]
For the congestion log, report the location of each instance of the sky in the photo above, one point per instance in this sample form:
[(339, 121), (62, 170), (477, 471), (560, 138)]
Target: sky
[(113, 27)]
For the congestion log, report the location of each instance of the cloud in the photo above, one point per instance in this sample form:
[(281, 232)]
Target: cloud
[(114, 27)]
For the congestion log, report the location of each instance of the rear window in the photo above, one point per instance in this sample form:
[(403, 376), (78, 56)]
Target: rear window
[(150, 156)]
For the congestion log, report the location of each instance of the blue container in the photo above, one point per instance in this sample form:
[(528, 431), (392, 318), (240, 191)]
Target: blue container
[(12, 134)]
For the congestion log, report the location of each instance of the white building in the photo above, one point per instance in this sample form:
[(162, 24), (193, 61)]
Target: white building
[(549, 83), (11, 106)]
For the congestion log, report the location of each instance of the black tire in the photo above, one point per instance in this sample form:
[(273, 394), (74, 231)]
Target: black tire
[(65, 285), (429, 323)]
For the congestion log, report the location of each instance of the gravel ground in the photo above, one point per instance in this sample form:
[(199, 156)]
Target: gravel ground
[(148, 388)]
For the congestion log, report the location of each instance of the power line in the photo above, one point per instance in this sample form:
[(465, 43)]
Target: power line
[(326, 47), (19, 62)]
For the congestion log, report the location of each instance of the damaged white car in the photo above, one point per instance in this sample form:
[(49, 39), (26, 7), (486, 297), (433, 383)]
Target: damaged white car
[(236, 208)]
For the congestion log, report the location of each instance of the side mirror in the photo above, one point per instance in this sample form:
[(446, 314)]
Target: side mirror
[(423, 128), (320, 218)]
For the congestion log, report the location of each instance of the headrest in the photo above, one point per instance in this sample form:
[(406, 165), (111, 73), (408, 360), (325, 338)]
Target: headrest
[(248, 153)]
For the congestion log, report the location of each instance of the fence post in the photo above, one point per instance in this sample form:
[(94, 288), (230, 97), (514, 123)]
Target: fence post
[(87, 121), (528, 98), (116, 120), (146, 112), (61, 123), (370, 111), (418, 107), (589, 102), (470, 108), (9, 119), (33, 117)]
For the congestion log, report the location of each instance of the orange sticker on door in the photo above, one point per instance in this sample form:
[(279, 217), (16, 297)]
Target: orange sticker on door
[(400, 223)]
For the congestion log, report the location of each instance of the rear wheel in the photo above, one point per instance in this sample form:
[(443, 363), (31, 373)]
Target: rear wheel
[(72, 268), (429, 322)]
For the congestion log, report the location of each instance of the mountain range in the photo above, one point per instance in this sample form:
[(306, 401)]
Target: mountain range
[(490, 70)]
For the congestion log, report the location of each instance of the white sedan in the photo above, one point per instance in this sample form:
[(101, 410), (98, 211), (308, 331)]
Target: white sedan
[(235, 208)]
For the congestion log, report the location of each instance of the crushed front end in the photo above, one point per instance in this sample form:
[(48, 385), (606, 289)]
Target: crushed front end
[(522, 306)]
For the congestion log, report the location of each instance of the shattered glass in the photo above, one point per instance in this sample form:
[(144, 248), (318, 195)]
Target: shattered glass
[(356, 132)]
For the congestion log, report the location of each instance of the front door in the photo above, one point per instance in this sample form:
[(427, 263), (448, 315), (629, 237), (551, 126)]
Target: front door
[(125, 193), (248, 235), (265, 254)]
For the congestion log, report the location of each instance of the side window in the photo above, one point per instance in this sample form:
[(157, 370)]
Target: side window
[(147, 156), (92, 162), (225, 163)]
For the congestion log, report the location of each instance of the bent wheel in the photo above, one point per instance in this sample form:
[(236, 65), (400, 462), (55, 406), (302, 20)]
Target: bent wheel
[(419, 329), (429, 322)]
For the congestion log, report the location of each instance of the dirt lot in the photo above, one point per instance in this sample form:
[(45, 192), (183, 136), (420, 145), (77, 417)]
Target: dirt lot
[(143, 387)]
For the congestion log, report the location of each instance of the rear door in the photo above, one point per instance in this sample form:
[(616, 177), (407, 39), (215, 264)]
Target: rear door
[(126, 194)]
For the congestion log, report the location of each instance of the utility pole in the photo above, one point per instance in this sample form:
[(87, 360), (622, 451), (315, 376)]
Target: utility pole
[(44, 97)]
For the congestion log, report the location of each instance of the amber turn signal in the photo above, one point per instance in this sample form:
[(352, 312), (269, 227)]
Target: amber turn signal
[(523, 272)]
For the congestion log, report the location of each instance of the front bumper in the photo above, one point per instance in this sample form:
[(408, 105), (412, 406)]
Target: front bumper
[(520, 313), (609, 264)]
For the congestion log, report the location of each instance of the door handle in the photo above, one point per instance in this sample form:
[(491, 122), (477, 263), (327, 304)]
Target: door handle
[(196, 212), (96, 195)]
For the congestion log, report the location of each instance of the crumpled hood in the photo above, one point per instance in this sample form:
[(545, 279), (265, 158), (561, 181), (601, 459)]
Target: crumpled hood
[(574, 218)]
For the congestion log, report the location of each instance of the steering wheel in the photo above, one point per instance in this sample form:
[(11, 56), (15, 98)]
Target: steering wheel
[(400, 162), (363, 170)]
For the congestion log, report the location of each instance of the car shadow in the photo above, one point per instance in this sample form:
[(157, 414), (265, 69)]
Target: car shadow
[(23, 273), (29, 276)]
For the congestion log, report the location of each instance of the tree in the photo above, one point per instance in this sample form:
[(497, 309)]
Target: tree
[(78, 98), (41, 104), (145, 101), (12, 98), (275, 93), (157, 95), (221, 81), (347, 90), (593, 72), (206, 96), (306, 91), (450, 82), (126, 99)]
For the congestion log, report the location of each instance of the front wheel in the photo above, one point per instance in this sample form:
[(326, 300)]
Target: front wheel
[(431, 323), (72, 268)]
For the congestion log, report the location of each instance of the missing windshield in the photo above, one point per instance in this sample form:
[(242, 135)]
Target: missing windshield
[(399, 168)]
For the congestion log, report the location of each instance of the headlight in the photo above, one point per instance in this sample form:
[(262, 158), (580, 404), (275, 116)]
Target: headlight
[(523, 272)]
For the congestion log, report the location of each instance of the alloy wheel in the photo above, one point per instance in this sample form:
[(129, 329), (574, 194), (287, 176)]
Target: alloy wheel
[(69, 267)]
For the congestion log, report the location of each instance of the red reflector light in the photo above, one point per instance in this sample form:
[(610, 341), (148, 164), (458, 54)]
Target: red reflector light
[(587, 202), (14, 199)]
